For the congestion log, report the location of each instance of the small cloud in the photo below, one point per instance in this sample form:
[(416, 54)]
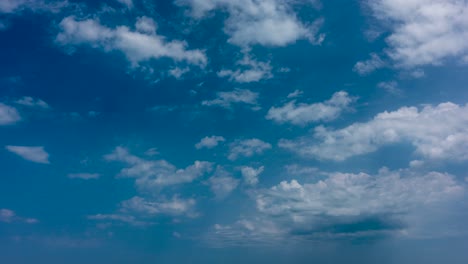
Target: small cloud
[(8, 115), (32, 102), (34, 154), (370, 65), (391, 87), (9, 216), (250, 174), (178, 72), (209, 142), (152, 152), (222, 184), (249, 70), (84, 176), (295, 94), (247, 148), (237, 96)]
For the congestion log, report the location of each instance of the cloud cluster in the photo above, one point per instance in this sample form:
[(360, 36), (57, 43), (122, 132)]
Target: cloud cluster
[(437, 132), (424, 32), (247, 148), (139, 44), (9, 216), (250, 71), (32, 102), (151, 175), (262, 22), (302, 114)]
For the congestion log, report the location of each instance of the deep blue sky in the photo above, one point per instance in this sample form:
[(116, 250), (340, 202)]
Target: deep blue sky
[(250, 131)]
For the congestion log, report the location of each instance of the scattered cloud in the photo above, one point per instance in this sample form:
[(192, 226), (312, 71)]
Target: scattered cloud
[(139, 45), (250, 71), (8, 115), (34, 154), (175, 206), (177, 72), (151, 175), (250, 174), (391, 87), (128, 3), (9, 216), (302, 114), (437, 132), (237, 96), (247, 148), (265, 22), (222, 184), (295, 94), (370, 65), (32, 102), (209, 142), (84, 176), (423, 32)]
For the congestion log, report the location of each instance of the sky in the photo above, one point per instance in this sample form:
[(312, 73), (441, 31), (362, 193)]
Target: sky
[(248, 131)]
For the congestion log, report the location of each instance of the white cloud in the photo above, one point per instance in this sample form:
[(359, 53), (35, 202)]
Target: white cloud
[(128, 3), (173, 207), (346, 198), (237, 96), (437, 132), (34, 154), (263, 22), (391, 87), (295, 94), (209, 142), (302, 114), (14, 6), (250, 174), (84, 176), (9, 216), (222, 184), (153, 175), (247, 148), (9, 6), (141, 44), (299, 170), (250, 71), (177, 72), (32, 102), (424, 32), (8, 115), (370, 65)]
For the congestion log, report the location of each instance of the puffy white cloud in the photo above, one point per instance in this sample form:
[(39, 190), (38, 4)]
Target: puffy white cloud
[(209, 142), (34, 154), (250, 71), (263, 22), (237, 96), (437, 132), (424, 32), (247, 148), (346, 198), (302, 114), (153, 175), (9, 216), (84, 176), (250, 174), (141, 44), (222, 184), (8, 115), (370, 65), (32, 102)]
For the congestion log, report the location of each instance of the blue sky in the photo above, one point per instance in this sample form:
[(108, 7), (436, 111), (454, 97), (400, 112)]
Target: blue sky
[(252, 131)]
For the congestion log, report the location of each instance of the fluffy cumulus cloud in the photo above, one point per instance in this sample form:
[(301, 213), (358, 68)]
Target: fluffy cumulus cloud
[(264, 22), (34, 154), (247, 148), (424, 32), (302, 114), (437, 132), (8, 115), (249, 70), (341, 201), (139, 44), (250, 174), (9, 216), (229, 99), (209, 142), (153, 175)]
